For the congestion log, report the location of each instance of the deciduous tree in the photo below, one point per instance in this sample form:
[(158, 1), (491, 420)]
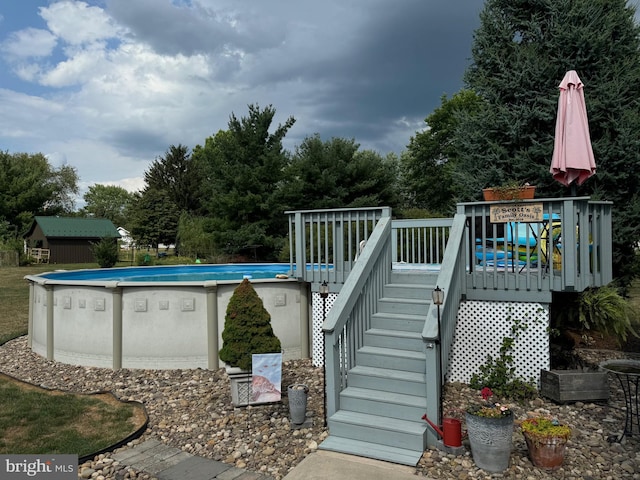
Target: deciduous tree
[(429, 163), (30, 186), (108, 201)]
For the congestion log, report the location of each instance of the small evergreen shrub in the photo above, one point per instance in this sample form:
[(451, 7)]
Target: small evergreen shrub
[(105, 252), (247, 328)]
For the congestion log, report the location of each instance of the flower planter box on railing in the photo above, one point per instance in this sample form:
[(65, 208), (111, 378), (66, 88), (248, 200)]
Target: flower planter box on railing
[(525, 192)]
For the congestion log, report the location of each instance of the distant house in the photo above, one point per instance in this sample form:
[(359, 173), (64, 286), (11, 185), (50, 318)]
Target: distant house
[(67, 239), (126, 241)]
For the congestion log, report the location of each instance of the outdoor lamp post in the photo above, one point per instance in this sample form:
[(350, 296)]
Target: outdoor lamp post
[(324, 293), (438, 299)]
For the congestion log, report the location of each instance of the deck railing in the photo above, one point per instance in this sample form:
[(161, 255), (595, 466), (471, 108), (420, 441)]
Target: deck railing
[(569, 249), (359, 267), (324, 244), (468, 248), (420, 241)]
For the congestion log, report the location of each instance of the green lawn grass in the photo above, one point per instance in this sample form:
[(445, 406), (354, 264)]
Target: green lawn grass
[(37, 421)]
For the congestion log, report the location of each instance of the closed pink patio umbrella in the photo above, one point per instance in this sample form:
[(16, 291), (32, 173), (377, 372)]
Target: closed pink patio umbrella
[(573, 159)]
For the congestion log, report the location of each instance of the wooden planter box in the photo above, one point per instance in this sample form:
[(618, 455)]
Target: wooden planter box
[(563, 386)]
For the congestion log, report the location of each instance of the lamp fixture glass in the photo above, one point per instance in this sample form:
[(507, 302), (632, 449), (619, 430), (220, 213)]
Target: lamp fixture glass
[(324, 289), (438, 296)]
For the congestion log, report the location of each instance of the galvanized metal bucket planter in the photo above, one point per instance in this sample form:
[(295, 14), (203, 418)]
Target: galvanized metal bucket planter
[(297, 403), (491, 441)]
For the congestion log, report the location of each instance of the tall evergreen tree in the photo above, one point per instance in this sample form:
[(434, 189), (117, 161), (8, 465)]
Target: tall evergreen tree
[(243, 170), (153, 218), (171, 188), (521, 52), (336, 174), (176, 175)]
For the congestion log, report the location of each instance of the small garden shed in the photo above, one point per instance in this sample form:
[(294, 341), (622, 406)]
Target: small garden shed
[(67, 239)]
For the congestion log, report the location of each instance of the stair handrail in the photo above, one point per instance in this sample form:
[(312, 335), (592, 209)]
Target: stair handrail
[(438, 333), (349, 317)]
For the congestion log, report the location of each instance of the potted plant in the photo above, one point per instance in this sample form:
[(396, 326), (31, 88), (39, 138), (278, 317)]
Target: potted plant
[(247, 331), (509, 191), (546, 441), (490, 431)]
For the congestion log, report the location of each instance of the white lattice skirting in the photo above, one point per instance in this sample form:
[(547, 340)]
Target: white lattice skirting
[(316, 330), (480, 329), (482, 326)]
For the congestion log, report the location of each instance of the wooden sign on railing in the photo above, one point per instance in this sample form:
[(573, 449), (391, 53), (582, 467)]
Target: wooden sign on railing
[(515, 212)]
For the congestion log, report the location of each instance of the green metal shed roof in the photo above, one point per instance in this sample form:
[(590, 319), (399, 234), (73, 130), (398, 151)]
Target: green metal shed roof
[(76, 227)]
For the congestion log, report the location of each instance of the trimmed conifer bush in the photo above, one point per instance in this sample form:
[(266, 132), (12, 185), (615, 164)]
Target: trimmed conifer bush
[(247, 328), (105, 252)]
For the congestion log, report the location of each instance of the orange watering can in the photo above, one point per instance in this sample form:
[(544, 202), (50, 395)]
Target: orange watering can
[(451, 431)]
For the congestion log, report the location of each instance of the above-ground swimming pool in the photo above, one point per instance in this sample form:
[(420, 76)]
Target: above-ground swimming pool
[(176, 273), (157, 317)]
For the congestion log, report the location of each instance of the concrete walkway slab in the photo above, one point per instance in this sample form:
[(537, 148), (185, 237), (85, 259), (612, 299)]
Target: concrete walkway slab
[(324, 465), (170, 463)]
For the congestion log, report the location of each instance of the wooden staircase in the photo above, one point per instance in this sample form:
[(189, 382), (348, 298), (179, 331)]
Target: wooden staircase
[(381, 408)]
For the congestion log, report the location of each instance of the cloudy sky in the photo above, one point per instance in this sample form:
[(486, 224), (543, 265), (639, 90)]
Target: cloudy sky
[(107, 85)]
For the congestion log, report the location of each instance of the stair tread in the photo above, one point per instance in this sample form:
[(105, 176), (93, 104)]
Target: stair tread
[(389, 373), (417, 301), (392, 352), (385, 397), (394, 333), (386, 453), (379, 422), (401, 316)]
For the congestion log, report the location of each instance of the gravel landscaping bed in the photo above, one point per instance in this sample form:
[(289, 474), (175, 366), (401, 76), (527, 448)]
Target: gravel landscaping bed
[(191, 410)]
